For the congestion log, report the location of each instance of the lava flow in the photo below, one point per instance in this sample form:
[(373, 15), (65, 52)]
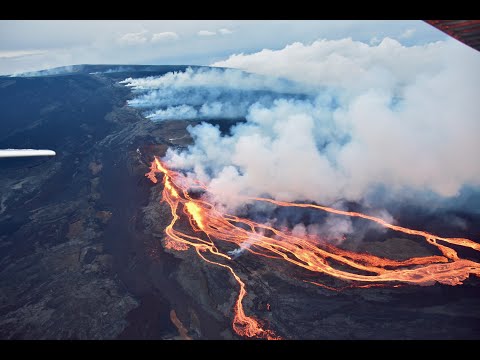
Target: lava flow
[(361, 270)]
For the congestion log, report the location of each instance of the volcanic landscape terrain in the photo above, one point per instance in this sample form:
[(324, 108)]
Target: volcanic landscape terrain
[(84, 254)]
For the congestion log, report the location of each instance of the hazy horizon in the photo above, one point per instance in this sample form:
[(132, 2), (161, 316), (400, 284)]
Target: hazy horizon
[(31, 45)]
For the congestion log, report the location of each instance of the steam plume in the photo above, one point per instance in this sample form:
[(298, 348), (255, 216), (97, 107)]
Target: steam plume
[(327, 121)]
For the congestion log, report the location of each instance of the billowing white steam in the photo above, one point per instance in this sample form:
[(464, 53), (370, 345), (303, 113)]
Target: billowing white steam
[(244, 246), (353, 66), (53, 71), (407, 118), (208, 93)]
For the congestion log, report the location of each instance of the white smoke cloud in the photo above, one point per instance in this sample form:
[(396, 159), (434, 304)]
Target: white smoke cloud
[(372, 115), (353, 66), (243, 246), (333, 229), (54, 71), (207, 93), (114, 70), (214, 78)]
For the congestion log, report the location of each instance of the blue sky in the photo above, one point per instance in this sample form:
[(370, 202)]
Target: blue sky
[(27, 45)]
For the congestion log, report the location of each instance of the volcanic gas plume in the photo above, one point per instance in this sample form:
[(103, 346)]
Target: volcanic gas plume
[(375, 124), (213, 230)]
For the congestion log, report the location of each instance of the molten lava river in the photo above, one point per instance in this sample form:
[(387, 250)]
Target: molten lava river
[(212, 227)]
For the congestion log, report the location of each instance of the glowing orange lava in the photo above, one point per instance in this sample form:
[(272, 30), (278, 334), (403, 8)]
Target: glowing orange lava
[(360, 270)]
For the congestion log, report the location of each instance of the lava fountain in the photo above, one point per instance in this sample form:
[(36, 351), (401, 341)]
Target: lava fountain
[(210, 228)]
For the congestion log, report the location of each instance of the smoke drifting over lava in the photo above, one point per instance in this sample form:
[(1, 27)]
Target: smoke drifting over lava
[(345, 119), (212, 230), (345, 123)]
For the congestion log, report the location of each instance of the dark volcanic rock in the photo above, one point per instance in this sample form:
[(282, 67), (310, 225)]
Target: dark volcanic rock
[(59, 264)]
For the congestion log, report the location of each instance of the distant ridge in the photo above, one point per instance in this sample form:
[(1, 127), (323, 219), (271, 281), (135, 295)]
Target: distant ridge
[(102, 69)]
